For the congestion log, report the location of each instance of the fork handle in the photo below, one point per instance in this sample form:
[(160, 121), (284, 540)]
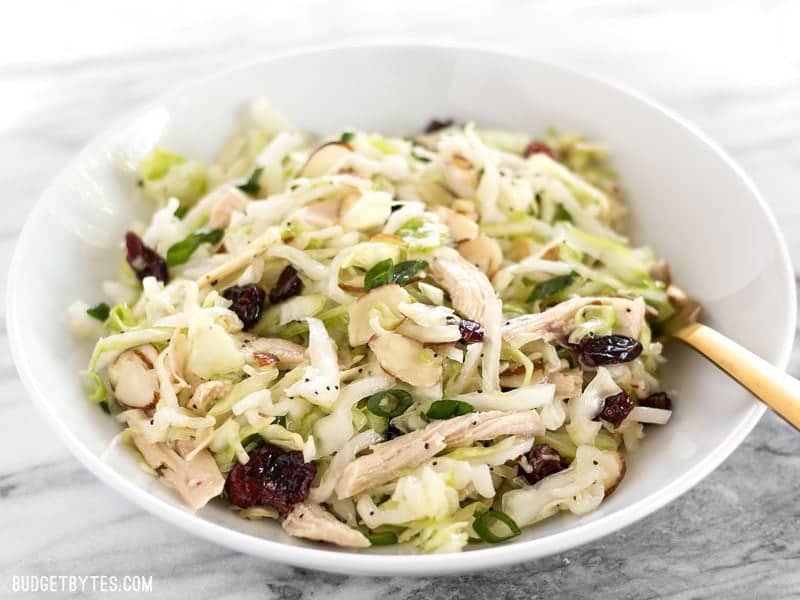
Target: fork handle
[(775, 388)]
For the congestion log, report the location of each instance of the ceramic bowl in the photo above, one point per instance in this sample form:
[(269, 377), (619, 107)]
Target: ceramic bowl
[(688, 201)]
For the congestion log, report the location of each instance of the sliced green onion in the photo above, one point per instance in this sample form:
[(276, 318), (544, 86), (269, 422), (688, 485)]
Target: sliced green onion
[(180, 252), (252, 186), (104, 405), (253, 439), (158, 163), (483, 524), (444, 409), (384, 538), (380, 274), (389, 404), (562, 214), (347, 137), (386, 272), (99, 311), (550, 287), (181, 211), (405, 270)]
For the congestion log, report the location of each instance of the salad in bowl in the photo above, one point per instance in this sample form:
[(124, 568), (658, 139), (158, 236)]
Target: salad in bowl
[(431, 340)]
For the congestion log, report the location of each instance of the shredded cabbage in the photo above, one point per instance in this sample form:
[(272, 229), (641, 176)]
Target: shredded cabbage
[(363, 263)]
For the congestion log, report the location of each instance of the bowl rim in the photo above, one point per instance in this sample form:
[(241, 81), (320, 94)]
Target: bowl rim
[(342, 561)]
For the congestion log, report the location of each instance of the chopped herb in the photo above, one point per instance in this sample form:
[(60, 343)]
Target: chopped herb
[(385, 272), (347, 137), (483, 524), (181, 252), (99, 311), (104, 406), (405, 270), (562, 214), (444, 409), (252, 440), (389, 404), (385, 538), (424, 159), (550, 287), (252, 186), (380, 274), (181, 211)]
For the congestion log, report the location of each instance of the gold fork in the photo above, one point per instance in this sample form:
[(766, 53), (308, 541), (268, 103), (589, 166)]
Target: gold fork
[(775, 388)]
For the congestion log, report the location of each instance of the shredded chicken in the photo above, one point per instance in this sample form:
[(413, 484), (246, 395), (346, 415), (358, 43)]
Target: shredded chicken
[(488, 425), (568, 383), (469, 289), (474, 297), (389, 459), (197, 480), (207, 393), (557, 322), (483, 252), (313, 522)]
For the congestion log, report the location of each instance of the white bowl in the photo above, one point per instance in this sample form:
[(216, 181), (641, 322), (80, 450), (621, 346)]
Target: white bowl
[(688, 200)]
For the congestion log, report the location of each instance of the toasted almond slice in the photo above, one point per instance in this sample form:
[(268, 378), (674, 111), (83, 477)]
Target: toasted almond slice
[(483, 252), (325, 158), (407, 359), (133, 379), (385, 298)]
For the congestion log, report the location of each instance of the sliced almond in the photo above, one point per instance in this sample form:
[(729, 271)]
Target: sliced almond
[(324, 213), (366, 210), (461, 176), (460, 227), (615, 474), (325, 158), (386, 299), (407, 359), (133, 377), (483, 252), (430, 334)]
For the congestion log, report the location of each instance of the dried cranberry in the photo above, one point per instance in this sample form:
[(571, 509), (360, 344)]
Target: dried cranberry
[(272, 477), (471, 331), (616, 408), (544, 461), (657, 400), (288, 285), (144, 261), (608, 350), (539, 148), (247, 302), (435, 125)]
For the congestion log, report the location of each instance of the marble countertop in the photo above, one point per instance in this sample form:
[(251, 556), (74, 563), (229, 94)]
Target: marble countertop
[(68, 69)]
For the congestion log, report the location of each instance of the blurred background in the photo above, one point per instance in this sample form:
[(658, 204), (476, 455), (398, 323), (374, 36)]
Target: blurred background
[(68, 69)]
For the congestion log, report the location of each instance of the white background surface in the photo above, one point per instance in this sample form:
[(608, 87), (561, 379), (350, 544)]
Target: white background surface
[(68, 69)]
